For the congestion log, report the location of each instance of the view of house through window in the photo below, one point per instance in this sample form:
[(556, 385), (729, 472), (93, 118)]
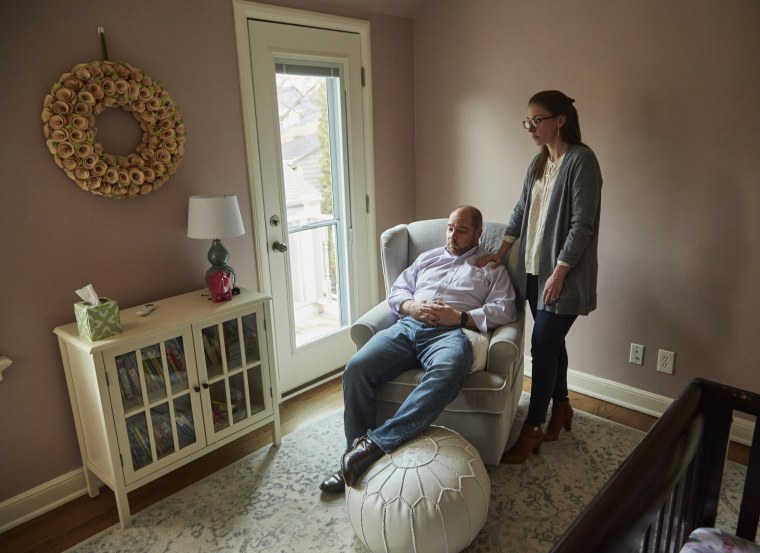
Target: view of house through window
[(308, 101)]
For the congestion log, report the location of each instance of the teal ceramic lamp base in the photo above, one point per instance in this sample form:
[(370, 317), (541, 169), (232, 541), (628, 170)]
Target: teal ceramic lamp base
[(218, 256)]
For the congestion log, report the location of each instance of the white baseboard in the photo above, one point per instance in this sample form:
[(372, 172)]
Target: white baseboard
[(636, 399), (43, 498)]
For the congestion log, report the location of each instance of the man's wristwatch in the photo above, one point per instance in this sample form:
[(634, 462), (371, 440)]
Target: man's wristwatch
[(463, 319)]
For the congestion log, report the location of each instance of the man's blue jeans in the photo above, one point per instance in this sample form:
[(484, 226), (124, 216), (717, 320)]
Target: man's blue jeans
[(443, 352)]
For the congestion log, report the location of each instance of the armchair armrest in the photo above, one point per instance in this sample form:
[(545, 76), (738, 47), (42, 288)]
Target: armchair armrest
[(374, 320), (505, 349)]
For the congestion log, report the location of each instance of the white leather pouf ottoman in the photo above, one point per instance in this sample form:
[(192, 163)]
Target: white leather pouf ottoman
[(430, 495)]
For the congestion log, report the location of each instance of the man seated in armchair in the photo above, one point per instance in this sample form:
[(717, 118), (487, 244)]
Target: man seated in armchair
[(442, 292)]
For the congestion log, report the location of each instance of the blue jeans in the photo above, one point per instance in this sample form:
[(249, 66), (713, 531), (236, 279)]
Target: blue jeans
[(444, 353), (547, 348)]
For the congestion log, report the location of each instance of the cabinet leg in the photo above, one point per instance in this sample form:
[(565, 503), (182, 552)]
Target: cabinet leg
[(276, 430), (122, 506), (92, 483)]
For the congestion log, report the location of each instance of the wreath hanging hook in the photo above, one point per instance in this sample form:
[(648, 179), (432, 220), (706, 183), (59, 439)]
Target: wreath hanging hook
[(103, 45)]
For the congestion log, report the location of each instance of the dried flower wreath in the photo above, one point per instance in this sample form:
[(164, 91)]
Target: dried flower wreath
[(69, 113)]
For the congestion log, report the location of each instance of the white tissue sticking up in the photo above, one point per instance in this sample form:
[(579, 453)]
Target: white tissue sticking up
[(89, 295)]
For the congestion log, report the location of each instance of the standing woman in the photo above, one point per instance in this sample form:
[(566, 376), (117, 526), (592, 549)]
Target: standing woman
[(557, 218)]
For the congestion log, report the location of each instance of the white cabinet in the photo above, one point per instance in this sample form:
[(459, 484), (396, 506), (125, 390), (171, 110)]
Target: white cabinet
[(189, 377)]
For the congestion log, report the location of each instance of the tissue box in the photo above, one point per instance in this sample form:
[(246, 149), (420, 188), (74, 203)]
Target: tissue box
[(96, 322)]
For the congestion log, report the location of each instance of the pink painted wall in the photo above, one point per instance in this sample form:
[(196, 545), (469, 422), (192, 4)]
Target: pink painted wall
[(667, 94), (56, 238)]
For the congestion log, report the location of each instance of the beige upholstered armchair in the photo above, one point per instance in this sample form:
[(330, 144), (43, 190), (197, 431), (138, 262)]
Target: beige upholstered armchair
[(484, 410)]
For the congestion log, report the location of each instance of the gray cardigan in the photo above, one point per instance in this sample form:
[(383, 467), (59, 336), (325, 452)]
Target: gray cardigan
[(571, 233)]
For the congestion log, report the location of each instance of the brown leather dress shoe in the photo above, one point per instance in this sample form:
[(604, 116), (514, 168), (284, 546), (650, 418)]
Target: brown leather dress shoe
[(359, 459), (334, 483)]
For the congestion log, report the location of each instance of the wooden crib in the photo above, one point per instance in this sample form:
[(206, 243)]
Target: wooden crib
[(669, 485)]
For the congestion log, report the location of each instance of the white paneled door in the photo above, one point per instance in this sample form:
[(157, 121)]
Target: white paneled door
[(309, 117)]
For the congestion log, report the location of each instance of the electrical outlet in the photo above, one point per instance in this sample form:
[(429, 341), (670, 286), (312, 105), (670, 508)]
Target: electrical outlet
[(637, 354), (666, 361)]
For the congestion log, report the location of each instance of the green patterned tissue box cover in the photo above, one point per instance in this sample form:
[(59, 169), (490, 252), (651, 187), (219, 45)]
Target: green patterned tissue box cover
[(96, 322)]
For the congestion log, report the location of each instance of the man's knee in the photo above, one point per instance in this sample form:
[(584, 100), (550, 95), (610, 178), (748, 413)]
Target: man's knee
[(356, 371)]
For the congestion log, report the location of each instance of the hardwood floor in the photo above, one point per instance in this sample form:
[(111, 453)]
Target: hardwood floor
[(83, 517)]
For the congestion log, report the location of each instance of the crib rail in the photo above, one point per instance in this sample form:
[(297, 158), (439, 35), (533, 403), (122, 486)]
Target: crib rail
[(670, 484)]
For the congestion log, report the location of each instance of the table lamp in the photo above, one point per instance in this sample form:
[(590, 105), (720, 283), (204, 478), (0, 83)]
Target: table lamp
[(215, 217)]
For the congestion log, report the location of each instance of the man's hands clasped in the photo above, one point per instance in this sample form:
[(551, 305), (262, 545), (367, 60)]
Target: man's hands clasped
[(433, 313)]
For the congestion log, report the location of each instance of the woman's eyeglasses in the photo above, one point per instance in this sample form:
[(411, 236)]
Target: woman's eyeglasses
[(534, 122)]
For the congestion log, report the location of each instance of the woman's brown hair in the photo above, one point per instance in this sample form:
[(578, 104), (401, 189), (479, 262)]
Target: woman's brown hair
[(557, 103)]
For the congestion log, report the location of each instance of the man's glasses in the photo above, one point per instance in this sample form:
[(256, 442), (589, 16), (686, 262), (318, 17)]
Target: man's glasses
[(534, 122)]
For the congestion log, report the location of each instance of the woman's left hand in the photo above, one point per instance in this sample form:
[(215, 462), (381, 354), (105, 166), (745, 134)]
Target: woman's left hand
[(553, 287)]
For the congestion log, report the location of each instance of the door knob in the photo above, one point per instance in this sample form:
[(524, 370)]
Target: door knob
[(279, 247), (274, 220)]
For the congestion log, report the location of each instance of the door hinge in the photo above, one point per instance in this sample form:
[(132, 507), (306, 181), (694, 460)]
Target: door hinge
[(271, 394), (108, 382), (121, 460), (364, 82), (367, 202)]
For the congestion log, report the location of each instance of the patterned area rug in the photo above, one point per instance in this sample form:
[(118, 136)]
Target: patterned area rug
[(270, 501)]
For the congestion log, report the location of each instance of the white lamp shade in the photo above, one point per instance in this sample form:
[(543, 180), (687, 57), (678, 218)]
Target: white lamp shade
[(214, 216)]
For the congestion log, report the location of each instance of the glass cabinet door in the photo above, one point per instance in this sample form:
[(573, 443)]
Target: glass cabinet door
[(235, 385), (161, 410)]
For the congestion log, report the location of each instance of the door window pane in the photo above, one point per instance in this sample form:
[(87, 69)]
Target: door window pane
[(218, 395), (183, 414), (162, 430), (129, 381), (232, 344), (314, 283), (175, 360), (311, 133), (251, 339), (237, 396), (255, 390), (153, 371), (212, 350), (139, 441)]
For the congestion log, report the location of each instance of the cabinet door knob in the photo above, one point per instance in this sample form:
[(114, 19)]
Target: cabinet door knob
[(205, 385), (197, 388), (279, 247)]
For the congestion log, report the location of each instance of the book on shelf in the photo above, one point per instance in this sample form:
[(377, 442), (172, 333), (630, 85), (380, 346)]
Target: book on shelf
[(134, 378), (139, 446), (124, 384), (163, 435), (175, 362), (154, 372), (185, 429), (129, 364)]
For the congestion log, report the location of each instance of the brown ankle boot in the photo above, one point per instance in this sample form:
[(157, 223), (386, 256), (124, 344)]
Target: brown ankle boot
[(562, 417), (530, 439)]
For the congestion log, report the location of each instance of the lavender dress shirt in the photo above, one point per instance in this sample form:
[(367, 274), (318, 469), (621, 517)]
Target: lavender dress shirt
[(485, 292)]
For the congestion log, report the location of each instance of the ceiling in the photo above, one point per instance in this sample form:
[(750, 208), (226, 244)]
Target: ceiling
[(400, 8)]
